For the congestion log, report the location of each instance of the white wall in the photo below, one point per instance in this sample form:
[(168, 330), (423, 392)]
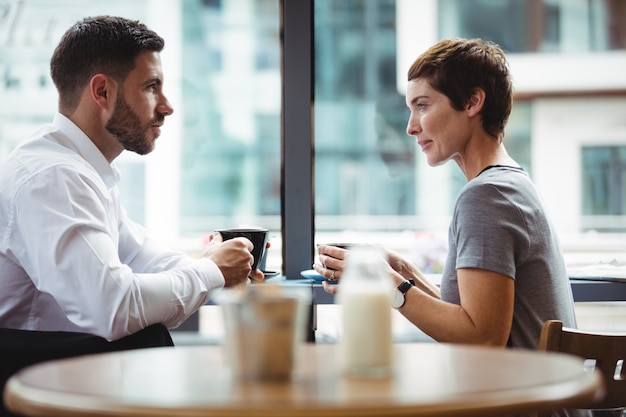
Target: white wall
[(560, 128)]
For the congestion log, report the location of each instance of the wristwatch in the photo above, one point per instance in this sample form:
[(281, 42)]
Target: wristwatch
[(399, 292)]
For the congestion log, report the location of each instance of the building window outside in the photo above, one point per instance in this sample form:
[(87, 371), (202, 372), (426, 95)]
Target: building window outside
[(604, 188), (538, 26)]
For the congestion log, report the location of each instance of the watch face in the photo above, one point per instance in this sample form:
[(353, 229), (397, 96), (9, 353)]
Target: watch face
[(397, 298)]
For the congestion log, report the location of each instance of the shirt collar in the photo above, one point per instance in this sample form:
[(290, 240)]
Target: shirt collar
[(87, 149)]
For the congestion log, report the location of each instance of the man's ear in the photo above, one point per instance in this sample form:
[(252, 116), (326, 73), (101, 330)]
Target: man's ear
[(476, 102), (101, 88)]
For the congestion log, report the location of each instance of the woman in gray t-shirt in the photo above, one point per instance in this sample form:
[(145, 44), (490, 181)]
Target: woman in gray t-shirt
[(504, 275), (500, 225)]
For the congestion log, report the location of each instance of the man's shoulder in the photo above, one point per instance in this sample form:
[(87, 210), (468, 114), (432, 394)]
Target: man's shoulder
[(45, 148), (39, 158)]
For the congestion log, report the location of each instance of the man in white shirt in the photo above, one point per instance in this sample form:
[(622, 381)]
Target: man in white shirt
[(70, 258)]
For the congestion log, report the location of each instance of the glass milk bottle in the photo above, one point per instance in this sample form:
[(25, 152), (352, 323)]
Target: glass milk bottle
[(365, 297)]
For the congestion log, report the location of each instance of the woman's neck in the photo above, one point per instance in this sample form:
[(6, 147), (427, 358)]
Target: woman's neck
[(477, 161)]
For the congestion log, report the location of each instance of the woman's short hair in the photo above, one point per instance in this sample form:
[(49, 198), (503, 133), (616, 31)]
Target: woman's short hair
[(98, 45), (456, 67)]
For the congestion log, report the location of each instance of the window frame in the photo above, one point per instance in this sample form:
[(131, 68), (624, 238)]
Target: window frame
[(297, 146)]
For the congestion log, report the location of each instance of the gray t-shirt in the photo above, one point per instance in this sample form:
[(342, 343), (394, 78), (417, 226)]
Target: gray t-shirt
[(500, 225)]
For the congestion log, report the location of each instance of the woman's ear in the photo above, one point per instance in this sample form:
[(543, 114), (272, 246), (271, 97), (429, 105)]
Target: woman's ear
[(476, 102)]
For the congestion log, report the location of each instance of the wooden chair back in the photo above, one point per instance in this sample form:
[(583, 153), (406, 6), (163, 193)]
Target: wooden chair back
[(604, 352)]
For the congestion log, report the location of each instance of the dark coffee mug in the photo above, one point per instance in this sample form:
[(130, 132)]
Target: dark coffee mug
[(258, 237)]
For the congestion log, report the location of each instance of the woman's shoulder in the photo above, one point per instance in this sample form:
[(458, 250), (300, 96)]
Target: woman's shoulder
[(501, 192), (499, 181)]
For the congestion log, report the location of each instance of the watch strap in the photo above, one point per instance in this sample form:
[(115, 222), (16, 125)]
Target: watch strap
[(404, 286)]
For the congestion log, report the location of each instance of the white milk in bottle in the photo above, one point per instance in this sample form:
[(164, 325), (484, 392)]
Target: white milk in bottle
[(365, 296)]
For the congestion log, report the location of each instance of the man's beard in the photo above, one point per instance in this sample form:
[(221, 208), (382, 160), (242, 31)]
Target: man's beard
[(126, 127)]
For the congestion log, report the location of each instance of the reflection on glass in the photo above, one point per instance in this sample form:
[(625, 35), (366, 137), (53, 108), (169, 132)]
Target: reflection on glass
[(364, 158), (231, 93)]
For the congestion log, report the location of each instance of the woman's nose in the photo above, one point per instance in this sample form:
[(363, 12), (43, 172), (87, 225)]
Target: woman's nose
[(412, 127)]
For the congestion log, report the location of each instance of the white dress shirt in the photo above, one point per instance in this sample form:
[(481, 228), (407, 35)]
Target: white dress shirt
[(70, 258)]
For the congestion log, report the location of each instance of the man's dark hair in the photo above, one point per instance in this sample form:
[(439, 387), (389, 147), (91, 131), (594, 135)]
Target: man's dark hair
[(98, 45), (456, 67)]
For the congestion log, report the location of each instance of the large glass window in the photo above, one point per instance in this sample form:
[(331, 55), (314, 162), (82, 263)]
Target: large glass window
[(230, 171), (365, 160), (373, 185), (218, 162)]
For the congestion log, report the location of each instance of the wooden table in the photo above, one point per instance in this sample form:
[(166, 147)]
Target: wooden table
[(428, 379)]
